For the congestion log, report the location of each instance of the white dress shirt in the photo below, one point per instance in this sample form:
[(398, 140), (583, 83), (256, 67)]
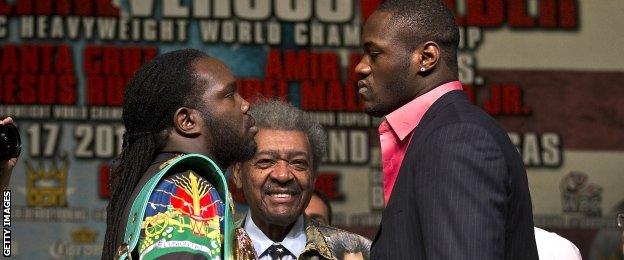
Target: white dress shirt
[(294, 241), (555, 247)]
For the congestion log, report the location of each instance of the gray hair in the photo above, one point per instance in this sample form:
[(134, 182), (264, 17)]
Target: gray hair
[(349, 243), (278, 115)]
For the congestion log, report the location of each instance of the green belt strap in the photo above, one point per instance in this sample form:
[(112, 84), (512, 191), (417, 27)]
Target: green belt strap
[(197, 163)]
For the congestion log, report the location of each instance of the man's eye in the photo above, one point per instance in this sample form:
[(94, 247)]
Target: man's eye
[(374, 54), (300, 165), (264, 163)]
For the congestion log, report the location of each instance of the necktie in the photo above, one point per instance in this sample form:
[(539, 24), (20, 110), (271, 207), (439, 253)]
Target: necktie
[(277, 251)]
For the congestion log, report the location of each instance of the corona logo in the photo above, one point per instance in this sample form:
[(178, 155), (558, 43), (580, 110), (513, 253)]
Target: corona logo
[(46, 188), (84, 235)]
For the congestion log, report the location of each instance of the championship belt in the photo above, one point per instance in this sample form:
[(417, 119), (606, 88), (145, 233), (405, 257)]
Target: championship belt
[(207, 169)]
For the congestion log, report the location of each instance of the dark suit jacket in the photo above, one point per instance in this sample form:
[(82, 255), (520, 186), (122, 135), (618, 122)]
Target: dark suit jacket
[(461, 192)]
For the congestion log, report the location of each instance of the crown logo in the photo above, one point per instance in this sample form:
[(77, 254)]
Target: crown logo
[(46, 187), (84, 235)]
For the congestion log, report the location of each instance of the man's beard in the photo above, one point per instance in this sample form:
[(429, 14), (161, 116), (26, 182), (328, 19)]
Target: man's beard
[(380, 109), (227, 145), (396, 88)]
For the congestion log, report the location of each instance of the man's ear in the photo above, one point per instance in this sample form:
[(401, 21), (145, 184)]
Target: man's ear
[(187, 121), (426, 57), (236, 175)]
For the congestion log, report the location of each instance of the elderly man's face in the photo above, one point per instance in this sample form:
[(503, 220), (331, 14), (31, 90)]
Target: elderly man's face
[(278, 181)]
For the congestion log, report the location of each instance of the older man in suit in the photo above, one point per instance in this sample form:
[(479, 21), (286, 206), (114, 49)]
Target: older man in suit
[(454, 184), (278, 183)]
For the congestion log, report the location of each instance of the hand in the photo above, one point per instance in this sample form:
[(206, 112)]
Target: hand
[(6, 165)]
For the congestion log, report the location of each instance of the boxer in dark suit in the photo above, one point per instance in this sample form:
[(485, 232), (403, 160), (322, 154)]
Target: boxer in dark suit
[(454, 184)]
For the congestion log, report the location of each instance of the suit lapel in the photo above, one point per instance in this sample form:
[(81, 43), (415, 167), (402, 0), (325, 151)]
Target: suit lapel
[(445, 100)]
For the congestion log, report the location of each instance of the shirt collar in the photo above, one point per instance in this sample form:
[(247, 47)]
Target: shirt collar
[(403, 120), (294, 241)]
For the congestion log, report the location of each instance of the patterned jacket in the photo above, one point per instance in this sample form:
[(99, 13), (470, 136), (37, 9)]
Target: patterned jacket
[(324, 243)]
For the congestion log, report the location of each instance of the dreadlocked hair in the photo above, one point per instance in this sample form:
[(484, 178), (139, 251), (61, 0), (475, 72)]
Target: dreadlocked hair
[(152, 96)]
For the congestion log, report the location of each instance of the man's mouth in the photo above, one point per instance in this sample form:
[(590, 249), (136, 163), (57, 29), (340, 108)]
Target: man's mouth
[(362, 87), (282, 196)]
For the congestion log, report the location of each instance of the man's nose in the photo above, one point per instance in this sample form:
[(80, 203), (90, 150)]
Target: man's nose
[(362, 68), (244, 105), (282, 172)]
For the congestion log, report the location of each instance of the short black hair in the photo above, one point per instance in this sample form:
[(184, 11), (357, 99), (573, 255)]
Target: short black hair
[(420, 21), (325, 201), (151, 98)]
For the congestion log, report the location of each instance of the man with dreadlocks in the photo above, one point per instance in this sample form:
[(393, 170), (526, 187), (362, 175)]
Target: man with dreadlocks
[(179, 103)]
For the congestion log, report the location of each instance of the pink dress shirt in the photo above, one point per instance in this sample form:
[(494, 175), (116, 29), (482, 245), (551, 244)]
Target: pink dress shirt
[(395, 132)]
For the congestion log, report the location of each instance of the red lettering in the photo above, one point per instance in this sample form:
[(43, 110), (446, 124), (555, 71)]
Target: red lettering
[(296, 65), (47, 89), (63, 7), (470, 92), (148, 54), (104, 181), (47, 53), (84, 9), (115, 86), (27, 93), (519, 15), (249, 88), (9, 59), (547, 9), (8, 89), (330, 66), (351, 97), (314, 66), (274, 65), (493, 105), (64, 61), (452, 5), (132, 60), (335, 98), (512, 100), (29, 59), (92, 60), (328, 183), (312, 95), (111, 64), (505, 99), (484, 13), (105, 8), (568, 14), (43, 7), (95, 90), (67, 89), (24, 7), (5, 9)]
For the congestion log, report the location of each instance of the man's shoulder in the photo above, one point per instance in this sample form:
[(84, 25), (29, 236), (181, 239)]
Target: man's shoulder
[(339, 241), (455, 115), (329, 230)]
